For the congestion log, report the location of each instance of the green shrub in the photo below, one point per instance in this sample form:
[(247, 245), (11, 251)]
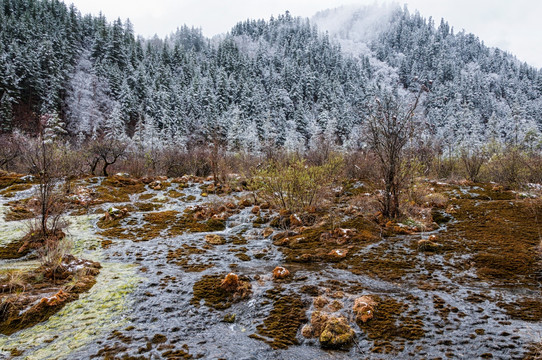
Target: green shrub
[(294, 185)]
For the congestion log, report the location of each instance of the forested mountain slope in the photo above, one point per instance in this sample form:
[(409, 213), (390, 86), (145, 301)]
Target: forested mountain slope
[(280, 82)]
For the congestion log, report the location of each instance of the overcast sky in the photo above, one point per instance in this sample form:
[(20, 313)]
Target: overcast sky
[(512, 25)]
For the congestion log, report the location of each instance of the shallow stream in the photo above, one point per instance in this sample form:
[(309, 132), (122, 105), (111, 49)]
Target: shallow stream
[(141, 305)]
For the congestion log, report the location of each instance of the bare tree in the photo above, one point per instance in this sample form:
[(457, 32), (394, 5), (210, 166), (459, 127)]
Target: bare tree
[(390, 126), (107, 151), (10, 150)]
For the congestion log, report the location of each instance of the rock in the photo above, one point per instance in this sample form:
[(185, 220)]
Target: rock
[(220, 216), (214, 239), (346, 233), (318, 322), (307, 331), (364, 308), (427, 245), (230, 283), (283, 234), (306, 258), (159, 339), (440, 216), (267, 232), (55, 300), (282, 242), (284, 212), (229, 318), (280, 273), (295, 220), (245, 202), (114, 213), (230, 205), (264, 206), (497, 188), (337, 254), (337, 334), (255, 210), (320, 302), (156, 185)]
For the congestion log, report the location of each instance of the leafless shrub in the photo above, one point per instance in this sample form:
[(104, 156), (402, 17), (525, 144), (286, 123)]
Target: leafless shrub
[(52, 253), (472, 159), (12, 280)]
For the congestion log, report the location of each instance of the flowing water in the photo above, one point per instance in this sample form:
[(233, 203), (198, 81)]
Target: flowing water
[(142, 302)]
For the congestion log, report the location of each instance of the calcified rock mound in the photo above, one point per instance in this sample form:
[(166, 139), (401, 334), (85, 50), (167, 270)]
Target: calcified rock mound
[(280, 273), (364, 308), (337, 334), (333, 332)]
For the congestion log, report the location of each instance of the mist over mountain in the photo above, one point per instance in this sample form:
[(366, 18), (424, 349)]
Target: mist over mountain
[(285, 81)]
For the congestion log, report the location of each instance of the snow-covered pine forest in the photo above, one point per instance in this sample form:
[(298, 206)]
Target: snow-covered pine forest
[(279, 82)]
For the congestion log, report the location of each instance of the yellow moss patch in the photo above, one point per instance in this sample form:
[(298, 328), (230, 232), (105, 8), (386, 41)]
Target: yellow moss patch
[(13, 189), (392, 325), (175, 194), (279, 329), (118, 189)]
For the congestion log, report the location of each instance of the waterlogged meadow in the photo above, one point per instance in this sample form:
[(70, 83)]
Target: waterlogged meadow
[(190, 269)]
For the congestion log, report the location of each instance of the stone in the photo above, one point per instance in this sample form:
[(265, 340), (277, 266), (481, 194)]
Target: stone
[(230, 283), (427, 245), (255, 210), (156, 185), (229, 318), (318, 322), (245, 202), (57, 299), (364, 308), (295, 221), (230, 205), (346, 233), (280, 273), (114, 213), (284, 212), (337, 254), (214, 239), (307, 331), (320, 302), (267, 232)]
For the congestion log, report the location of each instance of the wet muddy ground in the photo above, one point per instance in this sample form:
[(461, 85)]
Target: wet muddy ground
[(474, 293)]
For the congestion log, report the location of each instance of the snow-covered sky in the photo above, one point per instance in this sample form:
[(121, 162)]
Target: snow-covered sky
[(512, 25)]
